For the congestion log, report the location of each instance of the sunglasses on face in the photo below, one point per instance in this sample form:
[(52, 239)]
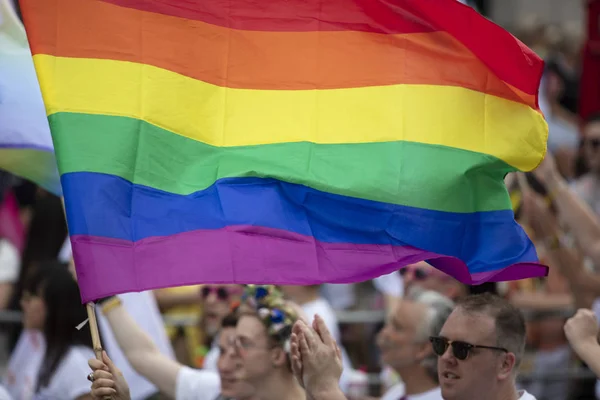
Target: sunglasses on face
[(593, 143), (417, 273), (460, 350), (221, 292)]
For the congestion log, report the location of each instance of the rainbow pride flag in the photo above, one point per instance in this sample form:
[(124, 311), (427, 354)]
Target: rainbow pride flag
[(286, 141), (25, 140)]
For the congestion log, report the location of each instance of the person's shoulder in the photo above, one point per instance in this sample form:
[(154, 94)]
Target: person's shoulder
[(74, 365), (75, 358), (70, 378), (324, 306), (73, 368), (319, 306), (196, 384), (198, 375)]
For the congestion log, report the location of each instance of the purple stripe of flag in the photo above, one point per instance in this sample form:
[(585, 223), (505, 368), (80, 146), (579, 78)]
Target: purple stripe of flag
[(246, 254)]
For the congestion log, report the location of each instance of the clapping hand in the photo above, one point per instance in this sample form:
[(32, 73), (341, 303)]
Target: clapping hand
[(316, 358)]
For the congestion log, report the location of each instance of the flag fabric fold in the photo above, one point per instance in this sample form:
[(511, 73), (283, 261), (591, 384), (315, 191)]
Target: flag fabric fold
[(25, 141), (286, 142)]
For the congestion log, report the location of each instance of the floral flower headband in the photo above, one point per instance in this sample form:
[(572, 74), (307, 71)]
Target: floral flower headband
[(271, 309)]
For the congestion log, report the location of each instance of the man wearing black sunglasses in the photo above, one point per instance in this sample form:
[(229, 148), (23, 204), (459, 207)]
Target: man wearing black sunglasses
[(479, 350)]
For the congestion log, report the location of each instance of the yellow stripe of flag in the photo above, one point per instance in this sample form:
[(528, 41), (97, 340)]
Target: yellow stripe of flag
[(438, 115)]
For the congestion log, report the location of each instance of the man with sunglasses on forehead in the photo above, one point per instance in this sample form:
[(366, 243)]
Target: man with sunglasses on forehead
[(429, 278), (480, 348), (217, 301)]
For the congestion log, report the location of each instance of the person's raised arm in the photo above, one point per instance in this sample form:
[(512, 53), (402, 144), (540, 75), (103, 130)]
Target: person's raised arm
[(139, 349), (573, 211), (167, 299), (546, 230)]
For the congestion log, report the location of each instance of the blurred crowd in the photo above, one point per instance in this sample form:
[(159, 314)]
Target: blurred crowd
[(413, 334)]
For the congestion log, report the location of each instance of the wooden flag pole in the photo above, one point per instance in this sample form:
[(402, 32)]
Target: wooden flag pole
[(96, 343), (91, 312), (94, 330)]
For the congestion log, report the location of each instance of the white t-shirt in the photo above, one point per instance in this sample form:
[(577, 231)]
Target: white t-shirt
[(523, 395), (212, 357), (341, 296), (66, 252), (69, 381), (21, 376), (391, 284), (434, 394), (196, 384), (322, 307), (9, 262), (4, 394), (397, 391)]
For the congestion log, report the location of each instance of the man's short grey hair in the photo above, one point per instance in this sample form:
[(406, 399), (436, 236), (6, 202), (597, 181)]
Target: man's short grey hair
[(439, 308)]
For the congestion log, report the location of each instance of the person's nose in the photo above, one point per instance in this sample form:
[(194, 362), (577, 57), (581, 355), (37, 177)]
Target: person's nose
[(382, 335), (408, 277), (228, 367), (211, 298)]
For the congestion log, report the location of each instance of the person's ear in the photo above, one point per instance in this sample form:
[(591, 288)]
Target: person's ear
[(424, 351), (507, 366), (278, 357), (450, 291)]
